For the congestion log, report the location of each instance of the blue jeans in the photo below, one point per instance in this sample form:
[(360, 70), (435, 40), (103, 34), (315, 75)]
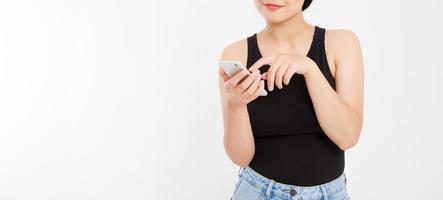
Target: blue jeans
[(253, 186)]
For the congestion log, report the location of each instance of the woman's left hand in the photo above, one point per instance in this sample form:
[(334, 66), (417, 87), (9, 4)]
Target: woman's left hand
[(283, 67)]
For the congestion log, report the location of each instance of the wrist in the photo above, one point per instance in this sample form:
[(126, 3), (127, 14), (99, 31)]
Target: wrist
[(236, 105), (312, 67)]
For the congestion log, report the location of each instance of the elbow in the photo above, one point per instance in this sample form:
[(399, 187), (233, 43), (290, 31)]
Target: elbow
[(352, 137), (242, 157), (239, 156), (241, 160), (350, 141)]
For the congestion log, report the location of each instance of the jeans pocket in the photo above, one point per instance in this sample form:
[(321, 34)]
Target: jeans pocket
[(341, 194), (346, 194), (247, 191), (237, 184)]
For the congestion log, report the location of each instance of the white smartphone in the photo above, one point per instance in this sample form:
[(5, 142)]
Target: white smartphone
[(233, 67)]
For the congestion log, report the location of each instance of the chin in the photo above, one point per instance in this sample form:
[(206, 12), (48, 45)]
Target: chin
[(274, 19), (277, 18)]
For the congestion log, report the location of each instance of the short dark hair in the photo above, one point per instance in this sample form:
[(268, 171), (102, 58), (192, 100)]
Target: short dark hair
[(306, 4)]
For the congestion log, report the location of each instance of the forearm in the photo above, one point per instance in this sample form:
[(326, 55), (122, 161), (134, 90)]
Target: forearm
[(238, 138), (339, 120)]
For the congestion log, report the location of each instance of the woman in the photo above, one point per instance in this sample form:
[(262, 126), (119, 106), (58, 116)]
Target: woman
[(290, 144)]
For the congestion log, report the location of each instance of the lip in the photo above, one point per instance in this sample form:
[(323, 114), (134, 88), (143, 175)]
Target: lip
[(272, 6)]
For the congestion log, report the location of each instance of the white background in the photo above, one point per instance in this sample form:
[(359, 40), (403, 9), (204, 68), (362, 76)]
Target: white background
[(119, 99)]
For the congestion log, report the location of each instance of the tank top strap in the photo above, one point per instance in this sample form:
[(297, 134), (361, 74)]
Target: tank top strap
[(253, 51), (318, 54), (319, 33)]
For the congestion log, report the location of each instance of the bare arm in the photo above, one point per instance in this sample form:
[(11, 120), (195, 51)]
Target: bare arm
[(340, 112), (238, 139)]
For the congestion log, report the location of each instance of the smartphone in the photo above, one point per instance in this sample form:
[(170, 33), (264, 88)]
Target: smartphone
[(233, 67)]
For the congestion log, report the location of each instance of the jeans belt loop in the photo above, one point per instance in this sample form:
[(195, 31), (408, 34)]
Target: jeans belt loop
[(268, 190), (240, 171)]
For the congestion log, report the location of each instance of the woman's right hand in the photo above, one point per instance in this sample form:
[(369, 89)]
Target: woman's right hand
[(241, 90)]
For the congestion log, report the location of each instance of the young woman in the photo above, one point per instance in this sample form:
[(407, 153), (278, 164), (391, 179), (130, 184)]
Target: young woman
[(290, 144)]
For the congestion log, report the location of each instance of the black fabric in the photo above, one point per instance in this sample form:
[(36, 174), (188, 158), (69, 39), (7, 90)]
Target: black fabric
[(290, 146), (306, 4)]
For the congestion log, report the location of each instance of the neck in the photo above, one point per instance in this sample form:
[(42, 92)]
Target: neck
[(292, 29)]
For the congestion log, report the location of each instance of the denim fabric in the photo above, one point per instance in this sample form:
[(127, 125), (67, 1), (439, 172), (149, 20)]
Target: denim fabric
[(253, 186)]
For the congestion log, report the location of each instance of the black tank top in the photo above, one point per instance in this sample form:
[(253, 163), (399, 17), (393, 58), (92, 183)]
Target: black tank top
[(290, 146)]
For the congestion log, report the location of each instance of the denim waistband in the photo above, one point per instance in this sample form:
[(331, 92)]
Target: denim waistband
[(287, 191)]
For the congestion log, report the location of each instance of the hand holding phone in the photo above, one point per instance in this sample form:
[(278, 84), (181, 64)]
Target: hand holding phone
[(231, 68)]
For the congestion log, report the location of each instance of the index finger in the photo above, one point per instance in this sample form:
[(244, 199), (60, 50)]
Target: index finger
[(262, 61), (223, 74), (237, 77)]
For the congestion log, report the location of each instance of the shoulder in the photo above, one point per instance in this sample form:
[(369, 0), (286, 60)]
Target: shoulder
[(341, 36), (342, 42), (236, 50)]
